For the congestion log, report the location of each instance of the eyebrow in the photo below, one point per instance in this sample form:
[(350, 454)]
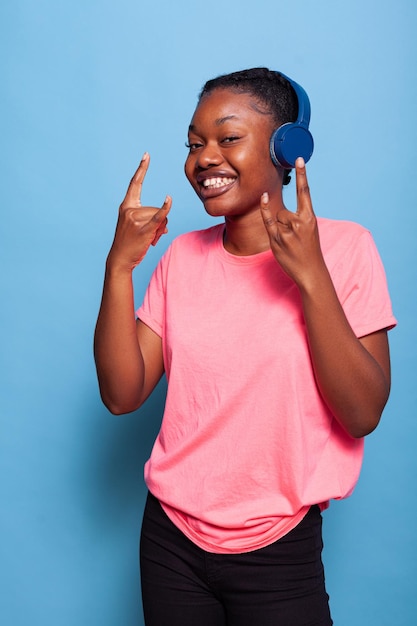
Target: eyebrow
[(218, 122), (222, 120)]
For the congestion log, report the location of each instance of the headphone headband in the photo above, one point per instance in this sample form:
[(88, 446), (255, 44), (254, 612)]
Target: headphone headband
[(293, 139)]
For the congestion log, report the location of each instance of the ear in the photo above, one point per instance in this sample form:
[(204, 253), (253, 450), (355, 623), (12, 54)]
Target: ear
[(290, 141), (293, 139)]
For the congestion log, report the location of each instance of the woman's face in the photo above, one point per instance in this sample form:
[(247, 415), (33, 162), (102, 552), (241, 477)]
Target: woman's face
[(229, 165)]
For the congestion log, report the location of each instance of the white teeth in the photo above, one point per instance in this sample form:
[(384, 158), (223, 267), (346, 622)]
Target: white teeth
[(215, 183)]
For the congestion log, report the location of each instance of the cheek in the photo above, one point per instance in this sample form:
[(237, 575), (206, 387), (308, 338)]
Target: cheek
[(264, 176), (188, 169), (260, 165)]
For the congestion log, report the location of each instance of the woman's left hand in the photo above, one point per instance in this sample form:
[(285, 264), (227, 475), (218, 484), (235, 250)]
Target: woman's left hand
[(294, 237), (353, 375)]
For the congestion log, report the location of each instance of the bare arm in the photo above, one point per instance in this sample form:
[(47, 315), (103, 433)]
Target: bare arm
[(353, 374), (128, 354)]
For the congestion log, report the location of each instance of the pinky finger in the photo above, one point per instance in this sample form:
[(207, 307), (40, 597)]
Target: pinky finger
[(162, 230), (266, 212)]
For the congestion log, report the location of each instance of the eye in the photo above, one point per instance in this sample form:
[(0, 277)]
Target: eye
[(193, 146), (230, 139)]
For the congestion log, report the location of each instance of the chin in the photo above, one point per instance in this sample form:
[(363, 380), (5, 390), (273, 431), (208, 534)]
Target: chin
[(215, 209), (214, 213)]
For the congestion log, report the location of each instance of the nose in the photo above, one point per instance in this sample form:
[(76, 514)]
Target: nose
[(208, 155)]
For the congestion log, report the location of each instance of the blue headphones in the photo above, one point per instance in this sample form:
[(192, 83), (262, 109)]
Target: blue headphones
[(293, 139)]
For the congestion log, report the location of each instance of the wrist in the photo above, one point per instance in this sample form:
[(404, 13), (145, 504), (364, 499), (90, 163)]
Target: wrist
[(119, 266), (315, 282), (117, 269)]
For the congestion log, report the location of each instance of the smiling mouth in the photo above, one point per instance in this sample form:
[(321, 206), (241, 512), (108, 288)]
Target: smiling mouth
[(216, 183)]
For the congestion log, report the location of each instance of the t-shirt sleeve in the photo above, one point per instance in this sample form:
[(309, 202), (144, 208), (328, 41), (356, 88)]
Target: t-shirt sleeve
[(364, 292), (152, 309)]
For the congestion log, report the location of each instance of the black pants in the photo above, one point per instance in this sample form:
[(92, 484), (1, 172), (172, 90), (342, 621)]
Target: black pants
[(280, 585)]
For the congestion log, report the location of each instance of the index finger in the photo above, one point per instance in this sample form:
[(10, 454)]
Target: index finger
[(134, 191), (304, 204)]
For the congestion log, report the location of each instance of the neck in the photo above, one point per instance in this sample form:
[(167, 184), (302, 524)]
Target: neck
[(246, 235)]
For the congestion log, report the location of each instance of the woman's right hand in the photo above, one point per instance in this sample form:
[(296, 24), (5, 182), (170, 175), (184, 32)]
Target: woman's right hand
[(138, 227)]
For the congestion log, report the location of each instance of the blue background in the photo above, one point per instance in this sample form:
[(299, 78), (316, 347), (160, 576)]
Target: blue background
[(86, 88)]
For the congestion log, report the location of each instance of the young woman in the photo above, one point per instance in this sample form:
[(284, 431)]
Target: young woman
[(271, 328)]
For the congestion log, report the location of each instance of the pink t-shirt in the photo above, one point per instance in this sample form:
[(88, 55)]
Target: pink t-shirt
[(246, 443)]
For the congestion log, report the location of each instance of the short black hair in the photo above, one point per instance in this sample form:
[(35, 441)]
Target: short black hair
[(270, 88)]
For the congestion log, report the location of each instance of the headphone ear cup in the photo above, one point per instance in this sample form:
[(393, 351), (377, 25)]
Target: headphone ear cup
[(288, 142)]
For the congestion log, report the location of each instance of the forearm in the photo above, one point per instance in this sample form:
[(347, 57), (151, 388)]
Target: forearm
[(119, 362), (350, 379)]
